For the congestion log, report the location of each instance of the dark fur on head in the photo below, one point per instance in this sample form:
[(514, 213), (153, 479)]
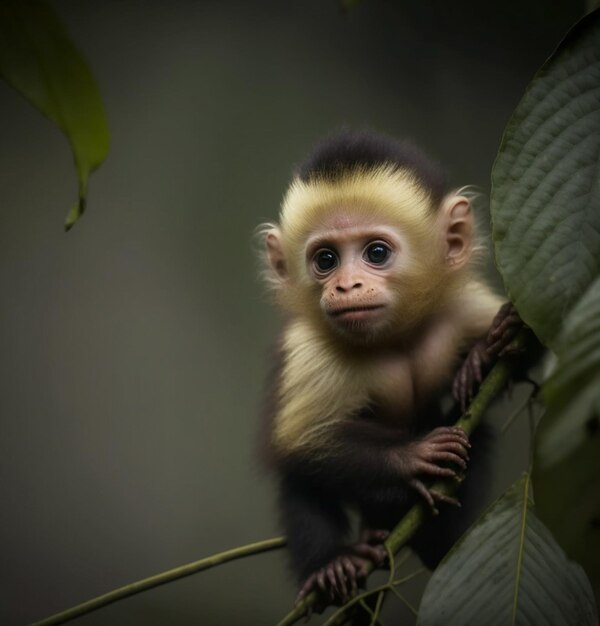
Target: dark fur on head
[(348, 150)]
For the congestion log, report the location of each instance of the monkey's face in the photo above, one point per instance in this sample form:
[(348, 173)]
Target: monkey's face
[(352, 264), (369, 273)]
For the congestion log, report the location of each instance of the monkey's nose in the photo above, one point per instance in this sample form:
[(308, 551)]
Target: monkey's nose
[(348, 286)]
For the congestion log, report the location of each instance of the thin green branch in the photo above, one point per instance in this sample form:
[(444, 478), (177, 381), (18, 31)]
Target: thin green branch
[(367, 609), (404, 601), (493, 384), (405, 579), (526, 404), (162, 579), (378, 605), (401, 557), (391, 564), (339, 617)]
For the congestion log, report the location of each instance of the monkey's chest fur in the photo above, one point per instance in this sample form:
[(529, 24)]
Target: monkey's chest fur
[(319, 389), (394, 388), (404, 381)]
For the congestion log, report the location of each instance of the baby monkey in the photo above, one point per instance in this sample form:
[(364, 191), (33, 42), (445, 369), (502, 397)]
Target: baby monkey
[(373, 265)]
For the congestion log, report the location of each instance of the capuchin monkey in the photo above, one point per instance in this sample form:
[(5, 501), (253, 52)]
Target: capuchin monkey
[(373, 263)]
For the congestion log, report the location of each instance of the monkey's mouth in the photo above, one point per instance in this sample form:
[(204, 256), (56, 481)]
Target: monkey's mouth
[(355, 313)]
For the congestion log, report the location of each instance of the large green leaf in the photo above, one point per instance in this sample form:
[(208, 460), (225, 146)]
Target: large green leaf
[(546, 185), (566, 473), (39, 60), (508, 570)]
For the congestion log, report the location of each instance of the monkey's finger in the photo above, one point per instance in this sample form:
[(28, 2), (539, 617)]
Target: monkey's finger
[(464, 372), (500, 347), (456, 387), (456, 446), (442, 497), (453, 446), (503, 311), (511, 349), (477, 366), (462, 433), (373, 535), (498, 342), (509, 328), (451, 457), (377, 554), (341, 579), (470, 377), (454, 443), (333, 585), (424, 492), (361, 564), (424, 467), (458, 436), (307, 586), (510, 322), (350, 575), (322, 584)]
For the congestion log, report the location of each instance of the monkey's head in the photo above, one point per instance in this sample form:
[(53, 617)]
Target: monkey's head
[(370, 242)]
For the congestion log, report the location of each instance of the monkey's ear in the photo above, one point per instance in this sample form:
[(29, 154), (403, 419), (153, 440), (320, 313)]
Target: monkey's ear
[(458, 222), (273, 241)]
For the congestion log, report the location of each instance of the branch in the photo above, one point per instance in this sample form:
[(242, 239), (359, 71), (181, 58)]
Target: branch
[(162, 579), (493, 384)]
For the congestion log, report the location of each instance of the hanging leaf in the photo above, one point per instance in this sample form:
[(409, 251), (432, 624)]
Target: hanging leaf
[(508, 570), (545, 200), (39, 60), (567, 446)]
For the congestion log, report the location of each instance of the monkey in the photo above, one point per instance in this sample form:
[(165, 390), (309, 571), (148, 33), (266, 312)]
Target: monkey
[(373, 263)]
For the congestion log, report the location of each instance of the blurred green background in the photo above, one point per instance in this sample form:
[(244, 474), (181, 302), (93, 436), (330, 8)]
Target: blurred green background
[(134, 348)]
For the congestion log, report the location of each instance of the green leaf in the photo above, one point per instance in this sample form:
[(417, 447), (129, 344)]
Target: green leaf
[(506, 570), (545, 200), (39, 60), (567, 447)]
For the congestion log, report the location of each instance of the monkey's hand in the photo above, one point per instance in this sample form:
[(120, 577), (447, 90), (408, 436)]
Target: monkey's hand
[(339, 579), (504, 329), (471, 372), (429, 457), (485, 352)]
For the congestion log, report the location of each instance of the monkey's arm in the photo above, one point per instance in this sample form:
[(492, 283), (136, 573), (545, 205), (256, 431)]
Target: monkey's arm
[(366, 454), (485, 352)]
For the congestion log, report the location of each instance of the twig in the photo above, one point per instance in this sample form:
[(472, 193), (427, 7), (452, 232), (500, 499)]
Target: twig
[(526, 404), (339, 616), (161, 579), (493, 384), (405, 579), (378, 605), (404, 601)]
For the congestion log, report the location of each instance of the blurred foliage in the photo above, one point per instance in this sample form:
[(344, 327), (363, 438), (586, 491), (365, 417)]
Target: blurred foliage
[(567, 448), (39, 60)]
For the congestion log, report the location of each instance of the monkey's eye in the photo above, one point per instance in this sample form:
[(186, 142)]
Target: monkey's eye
[(325, 260), (377, 253)]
